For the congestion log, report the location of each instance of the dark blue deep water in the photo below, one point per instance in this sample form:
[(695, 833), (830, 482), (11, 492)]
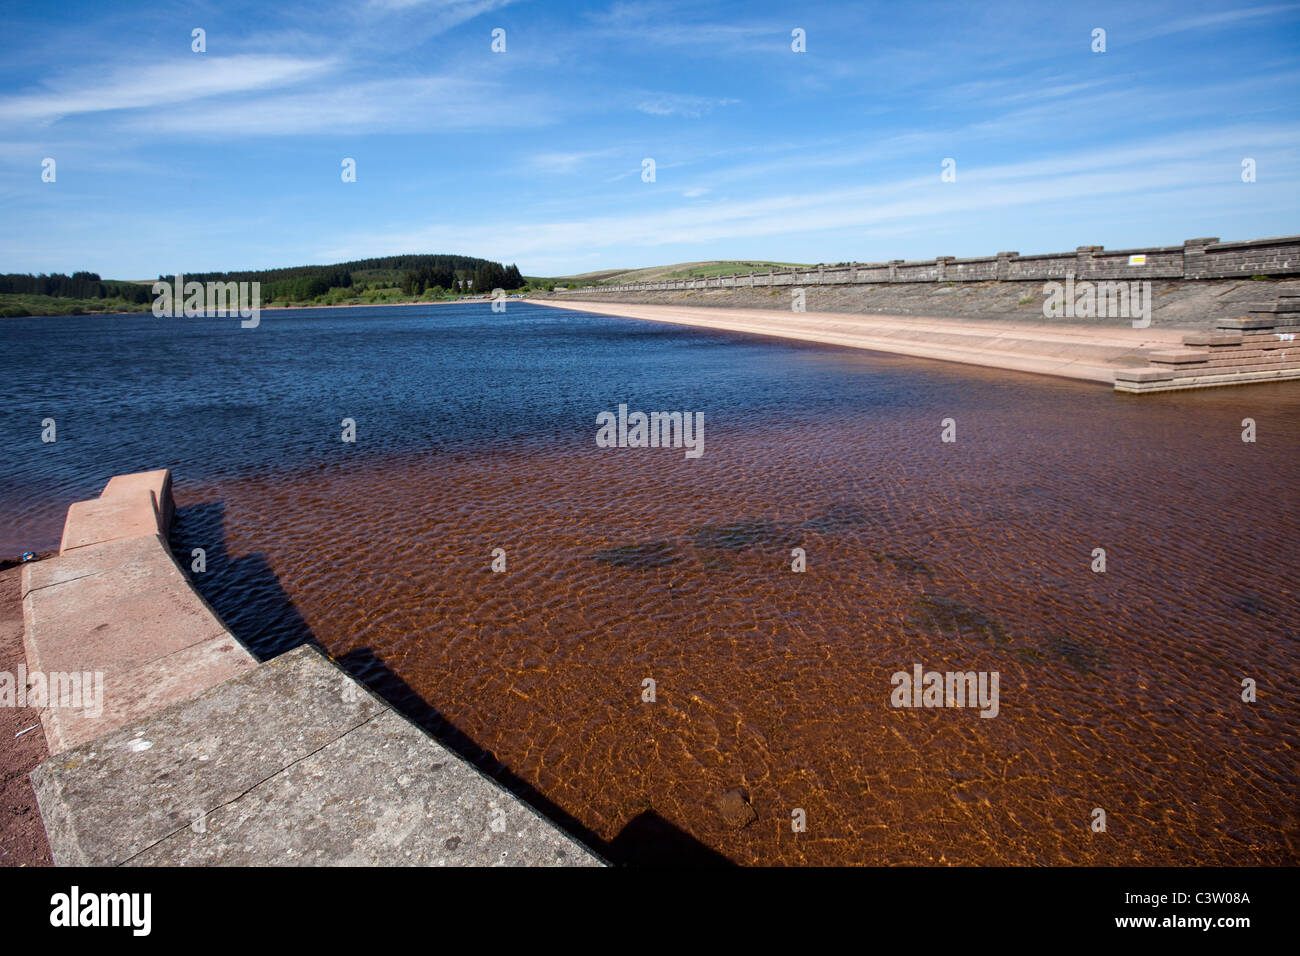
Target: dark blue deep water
[(211, 400)]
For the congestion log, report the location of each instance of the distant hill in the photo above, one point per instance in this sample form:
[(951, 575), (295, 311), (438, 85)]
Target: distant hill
[(681, 270), (412, 274), (426, 277)]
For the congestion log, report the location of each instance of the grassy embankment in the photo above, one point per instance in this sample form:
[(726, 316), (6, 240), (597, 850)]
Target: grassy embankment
[(680, 270)]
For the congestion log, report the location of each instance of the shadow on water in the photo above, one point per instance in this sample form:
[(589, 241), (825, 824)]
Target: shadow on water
[(244, 592), (250, 600), (646, 840)]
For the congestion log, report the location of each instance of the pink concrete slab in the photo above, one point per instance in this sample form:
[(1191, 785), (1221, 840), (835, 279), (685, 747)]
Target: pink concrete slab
[(130, 694), (115, 605), (159, 483), (1143, 375), (80, 596), (91, 560), (128, 515), (116, 635), (1178, 356), (1213, 338)]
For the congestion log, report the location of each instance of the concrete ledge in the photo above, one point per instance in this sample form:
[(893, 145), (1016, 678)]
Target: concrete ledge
[(1208, 381), (1143, 375), (293, 763), (1254, 322), (1177, 357), (113, 616), (129, 506), (158, 483), (190, 752), (1279, 342), (110, 519), (1213, 338)]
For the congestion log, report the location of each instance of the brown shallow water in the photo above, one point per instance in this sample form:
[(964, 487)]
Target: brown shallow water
[(1118, 690)]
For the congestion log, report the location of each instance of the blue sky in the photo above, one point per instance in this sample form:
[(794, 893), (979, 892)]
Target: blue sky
[(170, 160)]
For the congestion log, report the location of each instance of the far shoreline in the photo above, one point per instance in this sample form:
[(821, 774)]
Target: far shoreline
[(265, 308)]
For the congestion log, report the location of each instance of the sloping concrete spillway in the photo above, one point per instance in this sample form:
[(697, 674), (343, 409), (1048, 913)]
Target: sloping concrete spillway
[(172, 745), (1257, 347)]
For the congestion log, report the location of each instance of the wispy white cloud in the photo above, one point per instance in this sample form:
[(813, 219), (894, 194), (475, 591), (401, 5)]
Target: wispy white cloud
[(158, 84), (681, 104), (412, 104), (449, 11), (1223, 18), (568, 162), (1186, 165)]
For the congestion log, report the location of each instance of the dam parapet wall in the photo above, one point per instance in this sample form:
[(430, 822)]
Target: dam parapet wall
[(1204, 258)]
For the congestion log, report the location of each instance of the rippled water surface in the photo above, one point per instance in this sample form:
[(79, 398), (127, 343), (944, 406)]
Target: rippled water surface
[(475, 431)]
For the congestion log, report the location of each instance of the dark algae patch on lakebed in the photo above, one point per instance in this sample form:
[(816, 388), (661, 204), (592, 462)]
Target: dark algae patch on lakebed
[(772, 688)]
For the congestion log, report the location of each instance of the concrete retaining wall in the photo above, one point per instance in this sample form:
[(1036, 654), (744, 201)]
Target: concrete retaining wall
[(194, 753), (113, 611), (1206, 258)]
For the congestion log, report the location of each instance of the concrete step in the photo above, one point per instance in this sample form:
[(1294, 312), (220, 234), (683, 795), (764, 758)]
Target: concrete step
[(1207, 381), (291, 764), (1178, 356), (1255, 321), (121, 616), (1143, 375), (1273, 338), (1267, 352), (1213, 338), (1183, 371), (128, 515), (158, 483), (114, 621), (1283, 304)]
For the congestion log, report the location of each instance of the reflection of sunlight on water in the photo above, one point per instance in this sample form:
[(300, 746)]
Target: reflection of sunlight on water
[(1117, 690)]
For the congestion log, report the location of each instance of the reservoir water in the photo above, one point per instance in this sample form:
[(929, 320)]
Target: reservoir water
[(1120, 690)]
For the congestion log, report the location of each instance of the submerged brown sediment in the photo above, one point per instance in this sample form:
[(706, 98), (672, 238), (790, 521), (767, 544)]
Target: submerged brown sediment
[(1118, 690)]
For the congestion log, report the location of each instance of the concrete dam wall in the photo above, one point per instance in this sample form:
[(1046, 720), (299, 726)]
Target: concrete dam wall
[(1206, 258)]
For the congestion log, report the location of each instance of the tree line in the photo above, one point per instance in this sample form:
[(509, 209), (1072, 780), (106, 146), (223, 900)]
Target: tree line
[(346, 274), (482, 279), (415, 274), (79, 285)]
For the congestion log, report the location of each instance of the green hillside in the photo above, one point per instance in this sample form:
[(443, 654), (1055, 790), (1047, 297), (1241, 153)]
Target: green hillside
[(681, 270)]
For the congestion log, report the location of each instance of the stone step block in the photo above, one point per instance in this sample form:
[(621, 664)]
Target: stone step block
[(1254, 321), (130, 514), (158, 483), (1213, 338), (1143, 375), (1178, 356)]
